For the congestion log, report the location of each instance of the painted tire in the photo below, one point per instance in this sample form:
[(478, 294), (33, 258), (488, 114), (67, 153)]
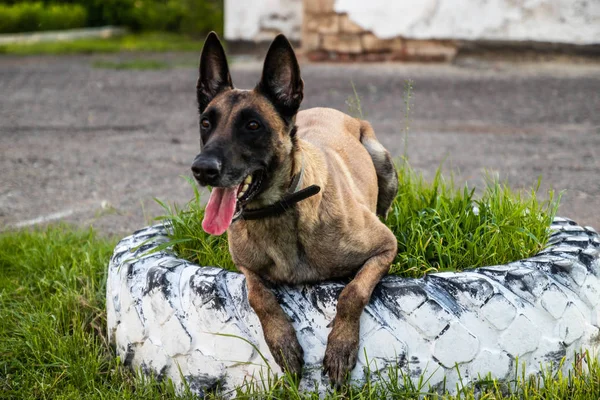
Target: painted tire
[(178, 320)]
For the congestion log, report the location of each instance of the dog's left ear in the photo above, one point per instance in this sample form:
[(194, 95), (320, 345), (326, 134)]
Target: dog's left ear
[(214, 73), (281, 82)]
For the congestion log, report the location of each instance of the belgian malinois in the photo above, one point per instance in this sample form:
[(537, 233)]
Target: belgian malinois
[(299, 194)]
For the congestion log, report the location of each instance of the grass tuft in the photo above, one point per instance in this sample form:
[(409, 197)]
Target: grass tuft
[(439, 227)]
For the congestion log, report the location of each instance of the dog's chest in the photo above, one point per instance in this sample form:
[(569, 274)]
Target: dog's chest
[(274, 251), (280, 253)]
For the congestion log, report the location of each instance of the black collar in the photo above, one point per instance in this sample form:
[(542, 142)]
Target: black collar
[(282, 205), (292, 197)]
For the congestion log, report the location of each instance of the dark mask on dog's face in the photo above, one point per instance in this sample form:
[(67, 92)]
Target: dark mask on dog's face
[(245, 135)]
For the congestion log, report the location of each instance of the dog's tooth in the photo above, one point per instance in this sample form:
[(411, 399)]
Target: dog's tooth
[(240, 194), (248, 179), (245, 187)]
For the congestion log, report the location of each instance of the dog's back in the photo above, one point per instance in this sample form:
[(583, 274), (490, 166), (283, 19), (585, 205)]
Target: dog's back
[(347, 144)]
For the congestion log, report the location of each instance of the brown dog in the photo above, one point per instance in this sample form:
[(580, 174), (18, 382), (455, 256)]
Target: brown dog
[(266, 163)]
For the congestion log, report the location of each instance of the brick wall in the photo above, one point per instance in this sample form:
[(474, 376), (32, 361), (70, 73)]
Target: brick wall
[(331, 36)]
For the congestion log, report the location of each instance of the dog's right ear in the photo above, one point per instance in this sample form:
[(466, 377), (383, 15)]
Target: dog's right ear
[(214, 73)]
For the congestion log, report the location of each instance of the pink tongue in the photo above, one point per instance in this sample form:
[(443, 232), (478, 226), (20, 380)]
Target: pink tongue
[(219, 210)]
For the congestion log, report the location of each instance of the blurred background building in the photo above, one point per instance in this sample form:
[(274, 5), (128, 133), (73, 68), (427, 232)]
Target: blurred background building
[(345, 30), (405, 29)]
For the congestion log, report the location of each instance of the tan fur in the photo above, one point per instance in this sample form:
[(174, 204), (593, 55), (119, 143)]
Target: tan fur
[(334, 234), (331, 235)]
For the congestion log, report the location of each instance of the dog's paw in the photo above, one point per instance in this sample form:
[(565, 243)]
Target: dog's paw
[(286, 350), (341, 353)]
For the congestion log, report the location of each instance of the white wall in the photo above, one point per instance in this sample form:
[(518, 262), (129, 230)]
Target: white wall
[(563, 21), (261, 20)]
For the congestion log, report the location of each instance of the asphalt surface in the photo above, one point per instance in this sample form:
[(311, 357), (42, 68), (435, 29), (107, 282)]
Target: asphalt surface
[(96, 146)]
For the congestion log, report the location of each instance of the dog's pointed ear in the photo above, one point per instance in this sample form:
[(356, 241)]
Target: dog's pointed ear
[(281, 82), (214, 73)]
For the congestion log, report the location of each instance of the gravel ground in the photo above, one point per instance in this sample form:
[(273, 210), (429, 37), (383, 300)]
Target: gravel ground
[(95, 146)]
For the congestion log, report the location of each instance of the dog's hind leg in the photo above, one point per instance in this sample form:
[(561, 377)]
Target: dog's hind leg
[(387, 176)]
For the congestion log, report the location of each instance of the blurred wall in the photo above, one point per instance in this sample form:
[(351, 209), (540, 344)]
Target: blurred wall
[(561, 21), (261, 20)]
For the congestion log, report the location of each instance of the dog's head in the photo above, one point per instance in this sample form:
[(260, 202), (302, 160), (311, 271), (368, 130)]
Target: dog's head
[(245, 135)]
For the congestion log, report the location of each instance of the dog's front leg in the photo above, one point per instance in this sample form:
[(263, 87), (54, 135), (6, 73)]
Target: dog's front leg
[(343, 340), (279, 332)]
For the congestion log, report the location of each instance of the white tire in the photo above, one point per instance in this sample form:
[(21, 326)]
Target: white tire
[(178, 320)]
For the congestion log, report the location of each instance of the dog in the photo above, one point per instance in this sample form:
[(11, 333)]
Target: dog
[(299, 194)]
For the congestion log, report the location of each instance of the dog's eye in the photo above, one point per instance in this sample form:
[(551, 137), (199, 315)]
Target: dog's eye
[(205, 123), (253, 125)]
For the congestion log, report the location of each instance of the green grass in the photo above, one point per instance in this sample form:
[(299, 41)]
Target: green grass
[(53, 337), (439, 227), (144, 42), (53, 330)]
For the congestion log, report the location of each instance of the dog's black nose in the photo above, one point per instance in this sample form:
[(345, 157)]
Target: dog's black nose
[(207, 170)]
